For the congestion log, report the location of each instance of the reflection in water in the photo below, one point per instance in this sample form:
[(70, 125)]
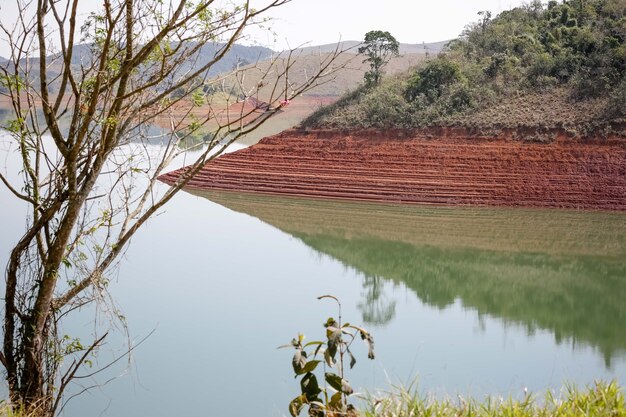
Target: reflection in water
[(5, 115), (376, 307), (151, 133), (563, 271)]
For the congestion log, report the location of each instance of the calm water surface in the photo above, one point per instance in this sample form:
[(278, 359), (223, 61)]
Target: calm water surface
[(463, 300)]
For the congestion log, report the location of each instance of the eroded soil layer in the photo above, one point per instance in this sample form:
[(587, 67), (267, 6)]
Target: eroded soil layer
[(414, 168)]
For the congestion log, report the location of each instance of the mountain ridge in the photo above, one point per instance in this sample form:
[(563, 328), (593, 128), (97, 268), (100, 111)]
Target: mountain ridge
[(351, 47)]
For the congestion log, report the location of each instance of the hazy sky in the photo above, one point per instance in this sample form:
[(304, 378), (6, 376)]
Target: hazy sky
[(410, 21), (325, 21)]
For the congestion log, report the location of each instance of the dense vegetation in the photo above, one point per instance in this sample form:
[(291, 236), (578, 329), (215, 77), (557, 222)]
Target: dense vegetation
[(568, 56), (600, 400)]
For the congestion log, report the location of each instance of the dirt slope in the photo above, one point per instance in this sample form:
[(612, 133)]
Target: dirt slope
[(409, 167)]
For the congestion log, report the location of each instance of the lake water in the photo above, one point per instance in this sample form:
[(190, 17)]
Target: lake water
[(469, 301)]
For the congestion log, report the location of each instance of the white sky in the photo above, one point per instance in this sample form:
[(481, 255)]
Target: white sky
[(325, 21), (409, 21)]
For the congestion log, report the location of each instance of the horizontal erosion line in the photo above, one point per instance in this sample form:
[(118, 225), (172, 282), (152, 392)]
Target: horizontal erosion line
[(438, 199)]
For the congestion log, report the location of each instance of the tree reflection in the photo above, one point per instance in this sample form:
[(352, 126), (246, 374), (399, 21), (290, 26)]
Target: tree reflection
[(561, 271), (376, 308)]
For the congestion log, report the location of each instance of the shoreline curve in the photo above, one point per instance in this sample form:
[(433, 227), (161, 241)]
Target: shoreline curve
[(436, 166)]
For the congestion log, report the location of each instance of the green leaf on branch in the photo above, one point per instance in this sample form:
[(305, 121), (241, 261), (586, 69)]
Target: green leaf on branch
[(333, 333), (298, 361), (295, 406), (310, 366), (309, 386), (197, 97), (329, 358), (370, 343), (335, 401), (352, 359), (338, 383), (317, 350)]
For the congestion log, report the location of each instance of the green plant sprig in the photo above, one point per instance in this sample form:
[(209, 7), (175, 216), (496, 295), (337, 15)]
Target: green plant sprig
[(334, 350)]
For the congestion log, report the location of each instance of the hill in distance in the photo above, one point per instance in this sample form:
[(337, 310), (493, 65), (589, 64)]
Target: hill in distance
[(352, 47), (348, 69), (238, 55), (256, 59), (257, 81)]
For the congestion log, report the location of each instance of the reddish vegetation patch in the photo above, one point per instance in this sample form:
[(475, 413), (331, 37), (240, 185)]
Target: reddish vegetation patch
[(409, 167)]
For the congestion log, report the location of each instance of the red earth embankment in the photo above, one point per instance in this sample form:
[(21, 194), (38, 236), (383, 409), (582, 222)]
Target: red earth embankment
[(447, 167)]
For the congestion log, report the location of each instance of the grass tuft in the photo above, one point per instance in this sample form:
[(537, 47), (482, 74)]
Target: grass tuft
[(8, 410), (601, 399)]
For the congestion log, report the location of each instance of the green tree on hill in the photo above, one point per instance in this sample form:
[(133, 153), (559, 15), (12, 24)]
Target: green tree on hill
[(379, 47)]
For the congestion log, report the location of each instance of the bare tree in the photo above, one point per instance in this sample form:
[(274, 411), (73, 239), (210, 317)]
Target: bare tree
[(85, 101)]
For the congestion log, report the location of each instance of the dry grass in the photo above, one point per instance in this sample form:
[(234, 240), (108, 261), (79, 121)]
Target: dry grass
[(7, 411), (548, 109), (349, 77)]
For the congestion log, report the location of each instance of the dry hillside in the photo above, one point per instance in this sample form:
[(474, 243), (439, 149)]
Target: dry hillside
[(347, 73)]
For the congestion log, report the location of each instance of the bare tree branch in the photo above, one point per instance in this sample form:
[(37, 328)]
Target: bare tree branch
[(90, 165)]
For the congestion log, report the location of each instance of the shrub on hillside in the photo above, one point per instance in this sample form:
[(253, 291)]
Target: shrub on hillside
[(431, 80), (456, 99), (616, 107), (385, 106)]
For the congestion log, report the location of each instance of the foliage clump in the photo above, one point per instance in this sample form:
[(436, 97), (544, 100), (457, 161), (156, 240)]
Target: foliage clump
[(574, 46), (331, 398)]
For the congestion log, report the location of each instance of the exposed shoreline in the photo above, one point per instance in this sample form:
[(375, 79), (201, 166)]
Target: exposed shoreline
[(441, 166)]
